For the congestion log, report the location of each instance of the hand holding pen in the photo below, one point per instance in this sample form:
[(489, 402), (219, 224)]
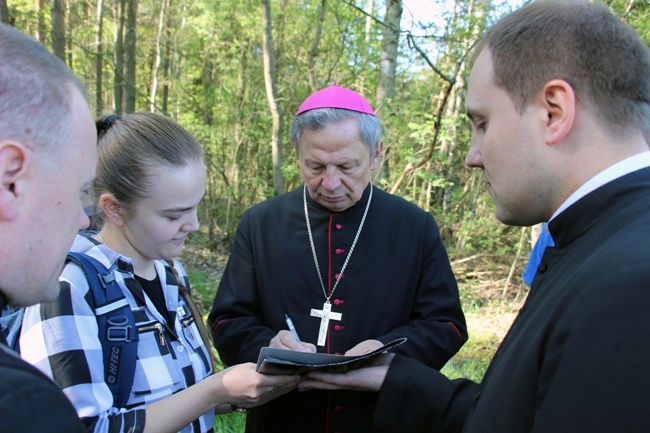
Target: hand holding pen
[(290, 340)]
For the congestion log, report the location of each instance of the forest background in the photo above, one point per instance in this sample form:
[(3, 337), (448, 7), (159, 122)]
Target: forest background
[(233, 72)]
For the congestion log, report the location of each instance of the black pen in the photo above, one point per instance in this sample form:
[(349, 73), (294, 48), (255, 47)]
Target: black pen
[(292, 328)]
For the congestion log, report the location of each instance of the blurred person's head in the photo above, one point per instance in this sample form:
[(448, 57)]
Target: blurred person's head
[(47, 165)]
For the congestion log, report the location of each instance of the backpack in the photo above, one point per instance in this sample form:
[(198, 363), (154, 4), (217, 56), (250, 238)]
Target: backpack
[(117, 330)]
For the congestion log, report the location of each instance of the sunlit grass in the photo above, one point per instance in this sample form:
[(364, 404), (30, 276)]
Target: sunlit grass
[(234, 422), (488, 319)]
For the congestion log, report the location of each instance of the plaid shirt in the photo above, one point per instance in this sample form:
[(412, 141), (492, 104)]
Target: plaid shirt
[(61, 339)]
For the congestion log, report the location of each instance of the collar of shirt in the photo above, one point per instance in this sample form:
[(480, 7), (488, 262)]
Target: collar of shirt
[(620, 169)]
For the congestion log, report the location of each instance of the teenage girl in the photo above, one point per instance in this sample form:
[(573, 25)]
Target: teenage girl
[(150, 180)]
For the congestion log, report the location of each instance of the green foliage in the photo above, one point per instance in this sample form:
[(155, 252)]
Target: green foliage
[(216, 89), (471, 361), (234, 422), (204, 287)]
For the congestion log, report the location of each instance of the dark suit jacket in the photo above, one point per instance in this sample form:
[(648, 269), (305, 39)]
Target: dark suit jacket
[(576, 358), (29, 401), (398, 283)]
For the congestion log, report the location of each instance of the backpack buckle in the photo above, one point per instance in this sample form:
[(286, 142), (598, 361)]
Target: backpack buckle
[(118, 330)]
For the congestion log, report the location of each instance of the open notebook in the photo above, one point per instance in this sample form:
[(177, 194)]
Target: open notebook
[(281, 361)]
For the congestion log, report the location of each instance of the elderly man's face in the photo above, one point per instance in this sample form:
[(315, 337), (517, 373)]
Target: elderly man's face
[(335, 164)]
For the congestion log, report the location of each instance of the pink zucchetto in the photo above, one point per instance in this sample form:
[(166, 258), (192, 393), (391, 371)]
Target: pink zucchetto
[(336, 97)]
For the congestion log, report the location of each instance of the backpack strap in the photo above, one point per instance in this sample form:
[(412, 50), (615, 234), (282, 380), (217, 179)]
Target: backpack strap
[(11, 322), (117, 330)]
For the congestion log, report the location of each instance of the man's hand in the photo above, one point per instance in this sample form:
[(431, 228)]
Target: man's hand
[(369, 378), (284, 340), (364, 347)]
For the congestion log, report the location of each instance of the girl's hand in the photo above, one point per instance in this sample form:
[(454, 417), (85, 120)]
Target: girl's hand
[(242, 386)]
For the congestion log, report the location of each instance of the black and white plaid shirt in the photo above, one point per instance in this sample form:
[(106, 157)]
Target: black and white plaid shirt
[(61, 339)]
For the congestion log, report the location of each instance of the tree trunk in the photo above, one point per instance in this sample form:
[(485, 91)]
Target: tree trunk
[(41, 28), (4, 12), (118, 80), (207, 78), (166, 59), (272, 96), (387, 64), (129, 55), (367, 37), (157, 58), (58, 28), (473, 187), (513, 267), (68, 40), (99, 60), (314, 47), (457, 105)]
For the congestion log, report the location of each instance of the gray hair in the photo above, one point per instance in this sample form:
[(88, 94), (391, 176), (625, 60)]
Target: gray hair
[(313, 120), (35, 89)]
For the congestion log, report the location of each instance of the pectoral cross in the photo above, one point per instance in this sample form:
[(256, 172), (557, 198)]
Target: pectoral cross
[(325, 315)]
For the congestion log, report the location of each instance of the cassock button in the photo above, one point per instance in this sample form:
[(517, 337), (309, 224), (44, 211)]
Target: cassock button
[(338, 408), (542, 267), (339, 251), (338, 276), (338, 327), (339, 226), (338, 353), (338, 301)]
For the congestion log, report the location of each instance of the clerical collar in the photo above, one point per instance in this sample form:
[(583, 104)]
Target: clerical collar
[(610, 174), (359, 206), (580, 217)]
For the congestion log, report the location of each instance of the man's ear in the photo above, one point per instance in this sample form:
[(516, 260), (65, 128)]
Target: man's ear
[(559, 103), (374, 159), (112, 209), (15, 161)]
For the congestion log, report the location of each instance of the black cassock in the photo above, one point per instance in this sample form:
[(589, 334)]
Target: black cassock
[(398, 283), (576, 358)]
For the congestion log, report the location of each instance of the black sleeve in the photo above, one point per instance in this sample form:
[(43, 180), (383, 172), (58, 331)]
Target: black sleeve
[(31, 403), (416, 398)]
